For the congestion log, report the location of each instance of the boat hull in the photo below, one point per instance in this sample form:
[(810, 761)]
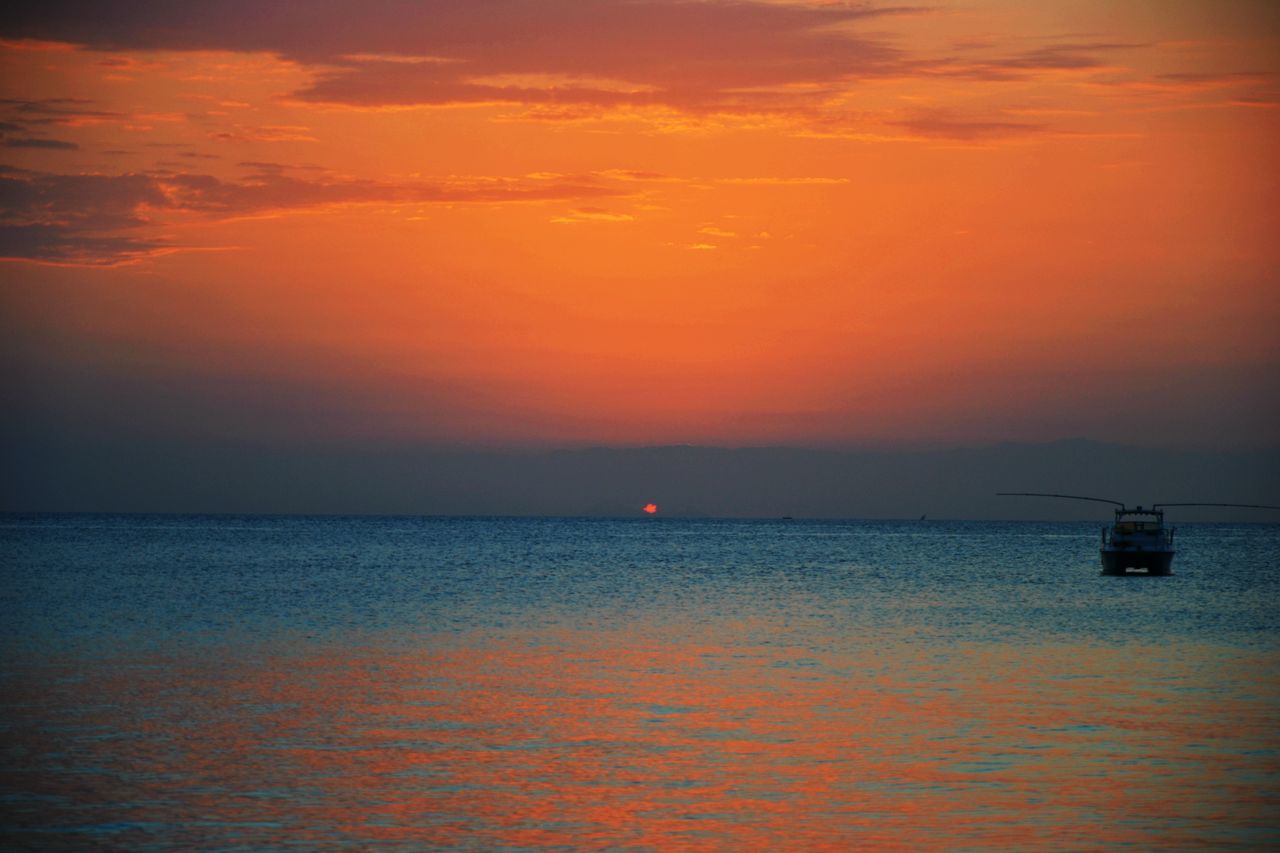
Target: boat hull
[(1116, 561)]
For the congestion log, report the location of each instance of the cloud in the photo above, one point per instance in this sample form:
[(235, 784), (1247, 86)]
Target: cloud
[(270, 166), (35, 117), (103, 219), (591, 214), (1207, 80), (803, 180), (1069, 57), (65, 245), (689, 54), (1191, 89), (944, 125), (1255, 103), (86, 201), (635, 175), (673, 64), (53, 144), (266, 133), (62, 111)]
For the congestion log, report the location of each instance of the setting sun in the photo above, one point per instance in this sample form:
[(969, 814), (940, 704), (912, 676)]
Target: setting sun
[(651, 508)]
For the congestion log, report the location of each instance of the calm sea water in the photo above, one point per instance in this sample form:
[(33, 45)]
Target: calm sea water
[(177, 682)]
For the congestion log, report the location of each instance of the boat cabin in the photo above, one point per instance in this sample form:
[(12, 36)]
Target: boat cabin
[(1138, 520)]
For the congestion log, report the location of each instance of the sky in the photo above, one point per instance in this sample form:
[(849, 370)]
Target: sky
[(559, 223)]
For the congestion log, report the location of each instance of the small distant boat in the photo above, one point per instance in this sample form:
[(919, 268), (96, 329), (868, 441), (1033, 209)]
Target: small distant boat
[(1137, 542)]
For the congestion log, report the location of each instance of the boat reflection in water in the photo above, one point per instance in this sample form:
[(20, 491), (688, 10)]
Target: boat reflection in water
[(1137, 543)]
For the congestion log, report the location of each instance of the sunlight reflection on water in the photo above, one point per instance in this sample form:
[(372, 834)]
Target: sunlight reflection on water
[(618, 739)]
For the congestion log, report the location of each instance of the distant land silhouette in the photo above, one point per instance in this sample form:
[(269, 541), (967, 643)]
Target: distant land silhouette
[(767, 482)]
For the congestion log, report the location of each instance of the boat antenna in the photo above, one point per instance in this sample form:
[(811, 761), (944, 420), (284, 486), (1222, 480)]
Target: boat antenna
[(1243, 506), (1072, 497)]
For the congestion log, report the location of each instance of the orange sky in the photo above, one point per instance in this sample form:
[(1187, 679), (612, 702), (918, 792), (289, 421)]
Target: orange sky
[(643, 222)]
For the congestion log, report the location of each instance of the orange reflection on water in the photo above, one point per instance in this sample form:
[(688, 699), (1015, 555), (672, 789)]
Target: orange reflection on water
[(609, 739)]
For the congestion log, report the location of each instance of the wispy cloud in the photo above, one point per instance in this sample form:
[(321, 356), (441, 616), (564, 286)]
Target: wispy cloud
[(591, 214), (61, 244), (948, 125), (52, 144), (268, 133), (59, 111), (1071, 56), (107, 219)]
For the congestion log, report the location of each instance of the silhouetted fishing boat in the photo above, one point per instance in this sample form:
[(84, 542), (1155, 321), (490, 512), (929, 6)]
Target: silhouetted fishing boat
[(1137, 542)]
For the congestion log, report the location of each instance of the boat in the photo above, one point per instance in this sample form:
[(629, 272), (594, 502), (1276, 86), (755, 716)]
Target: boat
[(1137, 542)]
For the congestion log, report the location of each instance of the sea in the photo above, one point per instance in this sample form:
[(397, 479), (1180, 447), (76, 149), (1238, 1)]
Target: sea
[(401, 683)]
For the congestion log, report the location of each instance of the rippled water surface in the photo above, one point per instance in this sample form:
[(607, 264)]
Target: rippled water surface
[(259, 683)]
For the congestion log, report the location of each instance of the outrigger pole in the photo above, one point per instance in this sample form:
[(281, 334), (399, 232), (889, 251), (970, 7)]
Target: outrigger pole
[(1072, 497), (1122, 506), (1243, 506)]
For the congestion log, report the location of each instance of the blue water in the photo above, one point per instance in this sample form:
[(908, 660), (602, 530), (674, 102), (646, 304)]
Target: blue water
[(260, 682)]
